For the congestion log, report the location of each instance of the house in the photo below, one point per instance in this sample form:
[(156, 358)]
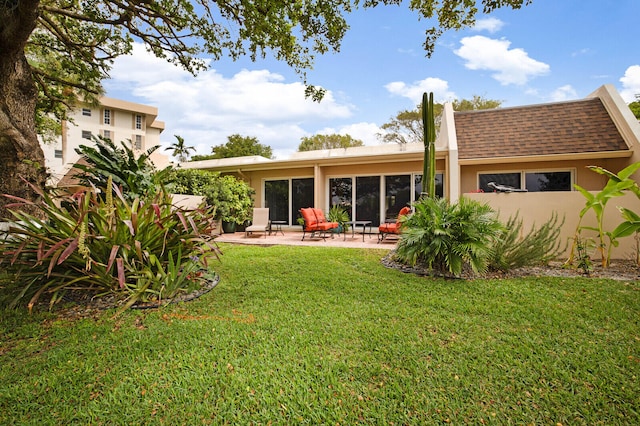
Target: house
[(541, 148), (115, 119)]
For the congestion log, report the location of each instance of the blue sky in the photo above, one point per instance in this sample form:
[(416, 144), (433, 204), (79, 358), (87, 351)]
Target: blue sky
[(551, 50)]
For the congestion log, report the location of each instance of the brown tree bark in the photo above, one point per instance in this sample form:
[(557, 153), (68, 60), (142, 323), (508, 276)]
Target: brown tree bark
[(20, 154)]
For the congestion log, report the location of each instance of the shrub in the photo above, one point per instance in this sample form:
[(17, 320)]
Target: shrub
[(445, 237), (135, 175), (230, 196), (540, 245), (142, 250)]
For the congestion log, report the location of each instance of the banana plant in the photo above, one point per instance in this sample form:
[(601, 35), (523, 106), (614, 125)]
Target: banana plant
[(615, 187), (429, 129)]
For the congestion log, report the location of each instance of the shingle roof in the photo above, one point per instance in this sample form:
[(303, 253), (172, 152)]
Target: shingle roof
[(546, 129)]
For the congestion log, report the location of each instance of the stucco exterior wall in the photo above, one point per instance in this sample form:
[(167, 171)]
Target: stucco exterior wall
[(121, 128), (536, 208)]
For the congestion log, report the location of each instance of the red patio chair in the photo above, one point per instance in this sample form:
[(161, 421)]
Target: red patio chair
[(392, 228), (316, 223)]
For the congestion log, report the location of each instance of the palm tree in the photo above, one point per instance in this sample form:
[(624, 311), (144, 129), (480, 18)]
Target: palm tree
[(180, 150)]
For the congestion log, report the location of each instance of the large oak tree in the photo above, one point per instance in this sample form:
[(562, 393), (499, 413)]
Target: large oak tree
[(56, 52)]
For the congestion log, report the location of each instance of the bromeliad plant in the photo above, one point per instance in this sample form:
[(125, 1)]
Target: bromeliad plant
[(340, 215), (142, 250)]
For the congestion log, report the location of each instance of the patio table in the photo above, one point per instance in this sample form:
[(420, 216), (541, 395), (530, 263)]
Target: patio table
[(363, 223), (276, 226)]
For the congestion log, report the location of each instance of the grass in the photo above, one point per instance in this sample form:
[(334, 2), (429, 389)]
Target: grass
[(312, 335)]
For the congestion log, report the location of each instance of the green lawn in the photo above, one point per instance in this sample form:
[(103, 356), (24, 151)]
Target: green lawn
[(312, 335)]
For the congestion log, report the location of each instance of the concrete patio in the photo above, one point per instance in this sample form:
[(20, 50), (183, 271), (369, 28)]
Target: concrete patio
[(294, 238)]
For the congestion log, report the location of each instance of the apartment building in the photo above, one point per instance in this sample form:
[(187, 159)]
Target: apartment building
[(115, 119)]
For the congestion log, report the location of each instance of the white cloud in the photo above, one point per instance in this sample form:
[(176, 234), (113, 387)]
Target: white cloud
[(491, 25), (206, 109), (581, 52), (366, 132), (564, 93), (439, 87), (511, 66), (630, 83)]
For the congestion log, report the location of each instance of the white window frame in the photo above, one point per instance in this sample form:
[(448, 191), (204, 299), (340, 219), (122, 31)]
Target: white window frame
[(383, 194), (523, 175), (106, 117), (289, 180)]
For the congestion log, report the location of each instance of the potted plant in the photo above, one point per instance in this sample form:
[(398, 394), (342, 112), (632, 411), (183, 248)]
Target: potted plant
[(233, 202), (340, 215), (231, 197)]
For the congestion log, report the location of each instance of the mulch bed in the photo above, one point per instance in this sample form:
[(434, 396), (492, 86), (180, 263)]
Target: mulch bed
[(619, 269)]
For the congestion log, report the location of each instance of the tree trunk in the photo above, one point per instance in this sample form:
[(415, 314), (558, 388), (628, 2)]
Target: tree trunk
[(20, 154)]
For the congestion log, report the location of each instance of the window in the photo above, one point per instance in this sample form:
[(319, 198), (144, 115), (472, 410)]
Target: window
[(86, 112), (340, 190), (397, 190), (138, 122), (137, 142), (505, 179), (368, 199), (86, 134), (417, 191), (301, 195), (107, 134), (107, 116), (278, 193), (57, 153), (276, 198), (548, 181), (532, 181)]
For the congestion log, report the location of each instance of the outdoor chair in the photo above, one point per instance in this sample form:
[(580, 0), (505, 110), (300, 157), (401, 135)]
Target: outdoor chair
[(392, 228), (260, 222), (316, 224)]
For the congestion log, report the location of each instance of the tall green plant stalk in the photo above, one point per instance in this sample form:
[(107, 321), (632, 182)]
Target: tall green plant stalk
[(429, 127), (615, 187)]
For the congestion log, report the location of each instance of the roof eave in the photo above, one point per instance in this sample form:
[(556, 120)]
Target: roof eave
[(549, 157), (331, 161)]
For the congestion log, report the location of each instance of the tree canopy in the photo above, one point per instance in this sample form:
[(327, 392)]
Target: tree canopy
[(406, 126), (180, 149), (635, 107), (56, 53), (238, 146), (311, 143)]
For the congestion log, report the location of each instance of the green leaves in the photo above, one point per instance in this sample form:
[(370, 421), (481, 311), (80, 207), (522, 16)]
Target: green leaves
[(107, 244), (538, 246), (135, 174), (615, 187), (445, 237)]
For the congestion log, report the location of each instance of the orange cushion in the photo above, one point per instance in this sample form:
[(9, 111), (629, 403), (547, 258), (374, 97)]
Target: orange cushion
[(389, 228), (325, 226), (319, 215), (309, 217)]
